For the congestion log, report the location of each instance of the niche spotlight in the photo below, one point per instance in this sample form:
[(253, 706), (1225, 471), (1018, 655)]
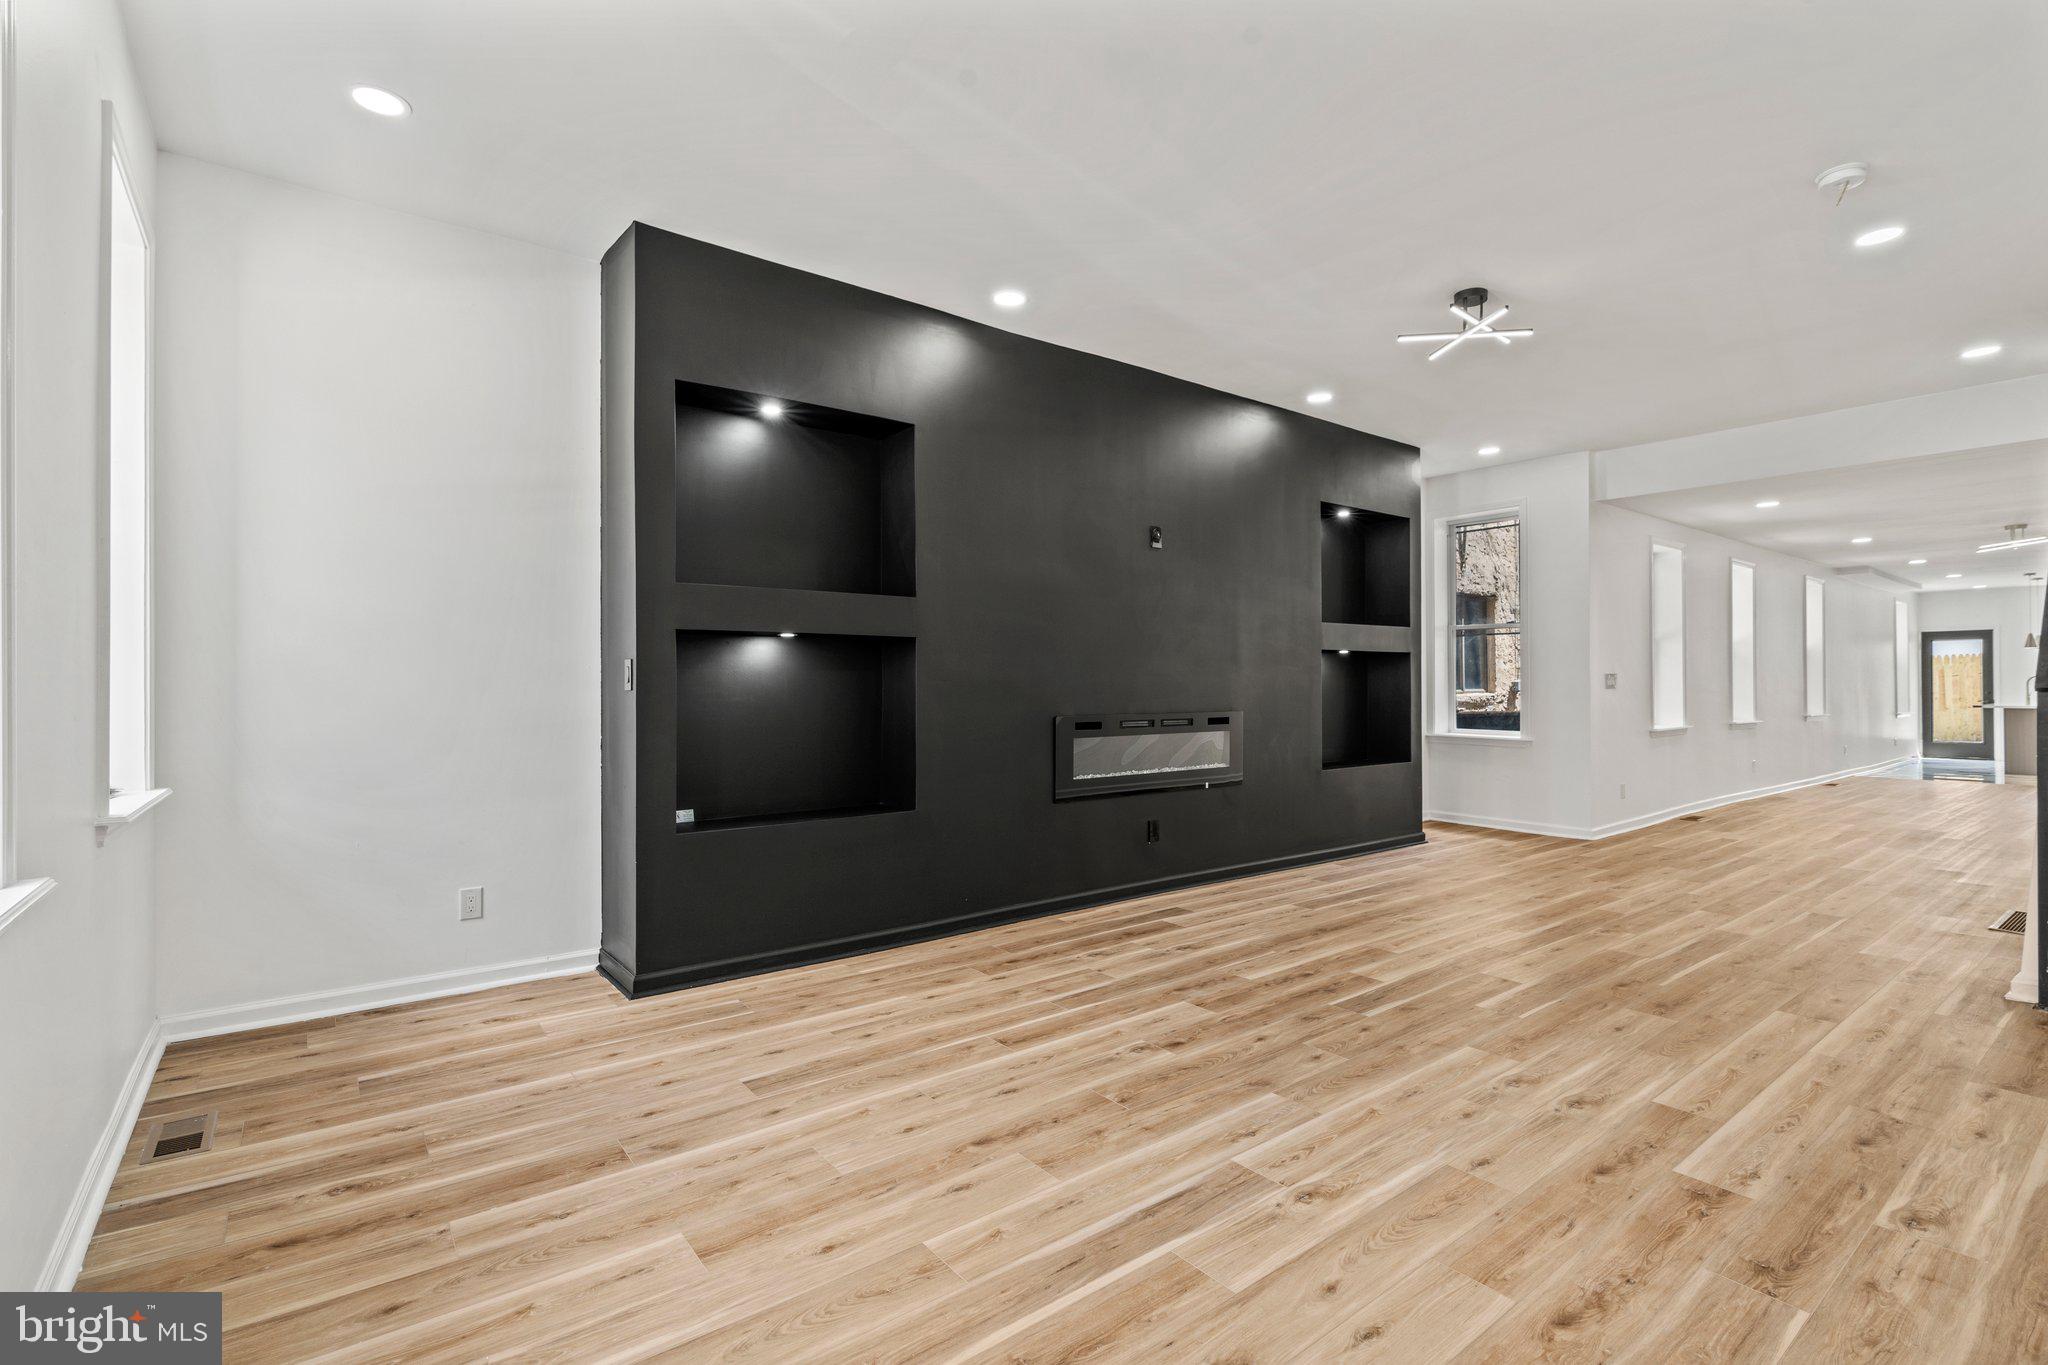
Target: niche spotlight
[(1343, 514), (381, 102), (1343, 651), (786, 634), (771, 408)]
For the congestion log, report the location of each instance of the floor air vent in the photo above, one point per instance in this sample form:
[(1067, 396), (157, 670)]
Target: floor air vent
[(176, 1137), (2015, 923)]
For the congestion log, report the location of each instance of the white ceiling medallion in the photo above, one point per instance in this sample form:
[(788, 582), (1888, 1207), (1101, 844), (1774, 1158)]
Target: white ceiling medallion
[(1468, 306)]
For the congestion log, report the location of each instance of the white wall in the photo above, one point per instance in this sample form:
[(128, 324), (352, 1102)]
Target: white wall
[(1712, 760), (377, 444), (75, 967), (1540, 783)]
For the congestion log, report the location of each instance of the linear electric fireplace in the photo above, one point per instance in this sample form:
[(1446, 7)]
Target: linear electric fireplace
[(1104, 755)]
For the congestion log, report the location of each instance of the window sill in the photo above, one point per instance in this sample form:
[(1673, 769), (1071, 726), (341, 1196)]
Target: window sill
[(126, 809), (1669, 729), (1742, 724), (20, 896), (1479, 736)]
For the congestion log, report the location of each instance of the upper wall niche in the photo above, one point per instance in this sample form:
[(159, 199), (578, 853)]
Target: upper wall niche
[(810, 497), (1365, 567)]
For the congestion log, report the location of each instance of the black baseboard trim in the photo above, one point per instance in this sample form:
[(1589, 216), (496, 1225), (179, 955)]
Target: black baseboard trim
[(637, 986)]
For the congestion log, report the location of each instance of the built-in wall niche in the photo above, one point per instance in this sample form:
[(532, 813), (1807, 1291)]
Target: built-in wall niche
[(1365, 567), (772, 728), (1366, 708), (772, 492)]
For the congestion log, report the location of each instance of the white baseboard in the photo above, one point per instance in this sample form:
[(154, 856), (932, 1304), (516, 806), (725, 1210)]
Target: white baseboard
[(1637, 822), (1446, 817), (1714, 802), (293, 1009), (60, 1271)]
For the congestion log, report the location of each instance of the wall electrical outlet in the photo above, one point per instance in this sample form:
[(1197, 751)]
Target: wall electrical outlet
[(472, 899), (1612, 679)]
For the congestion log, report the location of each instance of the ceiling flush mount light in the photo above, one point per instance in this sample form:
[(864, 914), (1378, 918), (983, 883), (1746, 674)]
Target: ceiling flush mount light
[(1489, 450), (1850, 175), (378, 101), (1879, 236), (1767, 504), (1468, 306), (1317, 396), (2015, 537), (1008, 298), (772, 408), (1983, 351)]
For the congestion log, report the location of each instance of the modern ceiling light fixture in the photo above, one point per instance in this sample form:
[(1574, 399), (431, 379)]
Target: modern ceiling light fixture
[(1916, 561), (1981, 352), (2015, 537), (1859, 540), (1317, 396), (1879, 236), (1468, 306), (1489, 450), (1850, 175), (379, 101), (1009, 298), (1767, 504)]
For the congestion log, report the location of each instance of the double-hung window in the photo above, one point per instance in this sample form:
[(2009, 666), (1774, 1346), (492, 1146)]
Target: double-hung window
[(1485, 666)]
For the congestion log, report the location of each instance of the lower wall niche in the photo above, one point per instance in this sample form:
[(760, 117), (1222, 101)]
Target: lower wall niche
[(771, 728), (1366, 708)]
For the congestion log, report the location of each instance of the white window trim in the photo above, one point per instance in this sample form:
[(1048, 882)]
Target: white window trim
[(1684, 713), (116, 809), (1905, 668), (16, 893), (1754, 650), (1806, 654), (1443, 706)]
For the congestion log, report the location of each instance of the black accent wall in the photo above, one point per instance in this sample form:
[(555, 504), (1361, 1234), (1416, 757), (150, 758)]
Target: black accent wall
[(953, 522)]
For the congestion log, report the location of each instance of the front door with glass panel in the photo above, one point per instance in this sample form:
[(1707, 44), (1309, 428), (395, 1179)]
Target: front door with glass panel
[(1955, 687)]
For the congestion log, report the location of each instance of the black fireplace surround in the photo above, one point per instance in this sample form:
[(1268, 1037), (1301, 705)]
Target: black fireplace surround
[(857, 552)]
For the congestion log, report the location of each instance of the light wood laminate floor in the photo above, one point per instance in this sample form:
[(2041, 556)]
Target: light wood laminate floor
[(1738, 1087)]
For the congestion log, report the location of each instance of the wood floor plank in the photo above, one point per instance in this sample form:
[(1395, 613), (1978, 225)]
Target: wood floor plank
[(1739, 1087)]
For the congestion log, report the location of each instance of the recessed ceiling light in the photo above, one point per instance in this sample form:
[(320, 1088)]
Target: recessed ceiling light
[(1859, 540), (1343, 651), (1953, 575), (1916, 561), (786, 634), (1879, 236), (1767, 504), (1489, 450), (1007, 298), (1343, 514), (1317, 396), (379, 101), (1982, 352), (771, 408), (1980, 585)]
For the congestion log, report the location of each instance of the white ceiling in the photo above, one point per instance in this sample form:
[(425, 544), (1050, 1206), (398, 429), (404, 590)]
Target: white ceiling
[(1254, 194), (1940, 508)]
